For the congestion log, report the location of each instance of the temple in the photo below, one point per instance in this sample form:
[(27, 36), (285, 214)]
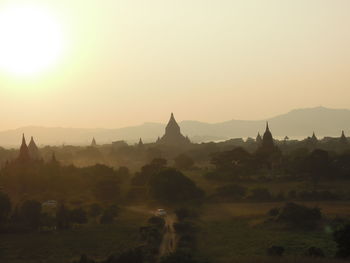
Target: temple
[(173, 134), (343, 139), (34, 152), (140, 144), (24, 155), (267, 140), (258, 139), (93, 142)]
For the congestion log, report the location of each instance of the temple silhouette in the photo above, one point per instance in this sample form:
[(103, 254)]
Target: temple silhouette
[(173, 135)]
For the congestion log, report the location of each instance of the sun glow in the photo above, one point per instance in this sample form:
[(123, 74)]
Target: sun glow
[(31, 40)]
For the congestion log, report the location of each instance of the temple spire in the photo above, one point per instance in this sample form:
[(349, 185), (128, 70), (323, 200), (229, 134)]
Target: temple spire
[(93, 142), (343, 138), (34, 152), (23, 151), (140, 144), (173, 134)]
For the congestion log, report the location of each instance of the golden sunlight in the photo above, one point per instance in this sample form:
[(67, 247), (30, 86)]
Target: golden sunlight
[(31, 40)]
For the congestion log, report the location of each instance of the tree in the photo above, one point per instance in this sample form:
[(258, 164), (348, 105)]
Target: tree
[(170, 185), (317, 165), (107, 190), (110, 214), (299, 215), (342, 238), (231, 192), (183, 162), (62, 217), (78, 216), (30, 213), (5, 207), (95, 210), (236, 159)]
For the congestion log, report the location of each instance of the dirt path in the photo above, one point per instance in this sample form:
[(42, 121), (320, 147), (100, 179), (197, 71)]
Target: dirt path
[(169, 241)]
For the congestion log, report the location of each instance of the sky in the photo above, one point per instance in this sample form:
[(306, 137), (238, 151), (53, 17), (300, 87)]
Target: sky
[(126, 62)]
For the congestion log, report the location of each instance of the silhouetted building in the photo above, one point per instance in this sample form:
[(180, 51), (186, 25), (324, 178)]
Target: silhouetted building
[(23, 151), (314, 138), (34, 152), (93, 142), (343, 139), (173, 134), (267, 140), (140, 144), (258, 139)]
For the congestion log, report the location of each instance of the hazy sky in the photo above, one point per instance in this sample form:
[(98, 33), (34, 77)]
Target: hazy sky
[(130, 61)]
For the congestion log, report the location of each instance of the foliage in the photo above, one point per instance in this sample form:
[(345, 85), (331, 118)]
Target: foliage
[(30, 213), (183, 162), (231, 192), (5, 207), (299, 216), (172, 186), (78, 216), (342, 238)]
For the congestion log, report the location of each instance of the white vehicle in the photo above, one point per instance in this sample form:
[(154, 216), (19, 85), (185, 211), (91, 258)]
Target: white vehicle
[(160, 212)]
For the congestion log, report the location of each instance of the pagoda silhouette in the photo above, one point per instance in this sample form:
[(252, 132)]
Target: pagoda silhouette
[(173, 135)]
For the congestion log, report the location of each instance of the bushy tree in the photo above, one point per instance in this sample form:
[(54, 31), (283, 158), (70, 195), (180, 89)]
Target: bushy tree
[(5, 207), (78, 216), (63, 217), (231, 192), (109, 214), (342, 238), (299, 215), (260, 194), (107, 190), (30, 213), (183, 162), (171, 185), (95, 210)]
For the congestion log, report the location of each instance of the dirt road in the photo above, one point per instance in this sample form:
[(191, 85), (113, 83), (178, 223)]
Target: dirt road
[(169, 241)]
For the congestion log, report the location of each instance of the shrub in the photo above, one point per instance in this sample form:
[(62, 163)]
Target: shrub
[(342, 238), (183, 162), (157, 221), (172, 186), (78, 216), (231, 192), (185, 213), (274, 212), (275, 251), (260, 194), (5, 207), (184, 228), (315, 252), (299, 215)]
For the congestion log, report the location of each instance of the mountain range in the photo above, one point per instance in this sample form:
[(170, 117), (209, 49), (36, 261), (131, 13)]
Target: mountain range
[(297, 123)]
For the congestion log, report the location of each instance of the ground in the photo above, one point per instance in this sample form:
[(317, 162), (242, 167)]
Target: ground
[(242, 233), (168, 244), (97, 241)]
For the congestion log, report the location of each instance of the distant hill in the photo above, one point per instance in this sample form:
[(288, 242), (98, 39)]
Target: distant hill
[(295, 124)]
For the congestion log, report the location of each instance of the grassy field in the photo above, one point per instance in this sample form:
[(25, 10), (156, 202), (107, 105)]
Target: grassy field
[(236, 232), (97, 241)]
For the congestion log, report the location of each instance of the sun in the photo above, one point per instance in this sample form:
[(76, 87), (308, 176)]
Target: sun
[(31, 40)]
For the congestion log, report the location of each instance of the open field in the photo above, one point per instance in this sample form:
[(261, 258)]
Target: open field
[(97, 241), (242, 234), (274, 186)]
